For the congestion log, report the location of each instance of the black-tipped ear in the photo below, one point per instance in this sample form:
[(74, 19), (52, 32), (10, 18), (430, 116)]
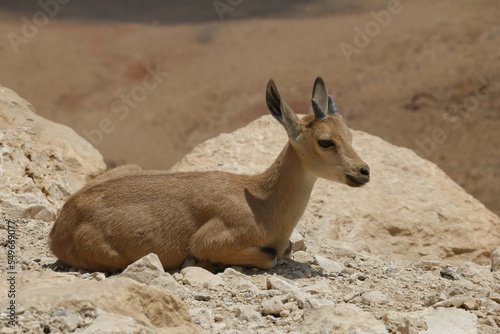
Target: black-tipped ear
[(273, 100), (318, 112), (320, 93), (281, 111), (332, 107)]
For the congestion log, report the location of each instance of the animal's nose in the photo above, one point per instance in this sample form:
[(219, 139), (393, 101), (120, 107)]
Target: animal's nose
[(364, 174)]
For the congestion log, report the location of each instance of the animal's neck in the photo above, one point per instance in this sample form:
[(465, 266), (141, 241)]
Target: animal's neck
[(284, 189)]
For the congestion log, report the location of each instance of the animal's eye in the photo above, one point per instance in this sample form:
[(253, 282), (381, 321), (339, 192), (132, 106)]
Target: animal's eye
[(326, 143)]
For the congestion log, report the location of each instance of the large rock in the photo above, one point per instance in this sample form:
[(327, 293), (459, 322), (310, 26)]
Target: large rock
[(450, 321), (33, 180), (81, 160), (410, 208), (149, 270), (199, 277), (125, 299), (41, 162), (341, 319)]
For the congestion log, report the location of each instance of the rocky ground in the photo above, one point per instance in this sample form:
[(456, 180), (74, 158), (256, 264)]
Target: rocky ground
[(411, 252), (343, 292)]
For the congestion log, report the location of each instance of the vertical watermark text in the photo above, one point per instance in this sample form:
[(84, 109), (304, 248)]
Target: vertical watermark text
[(11, 272)]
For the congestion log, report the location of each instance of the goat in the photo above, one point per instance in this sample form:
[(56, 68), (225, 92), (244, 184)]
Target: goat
[(215, 217)]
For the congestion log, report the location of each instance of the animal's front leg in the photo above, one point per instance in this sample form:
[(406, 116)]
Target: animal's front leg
[(253, 256), (287, 254), (215, 243)]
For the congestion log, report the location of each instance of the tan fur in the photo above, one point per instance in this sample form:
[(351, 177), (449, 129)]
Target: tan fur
[(215, 217)]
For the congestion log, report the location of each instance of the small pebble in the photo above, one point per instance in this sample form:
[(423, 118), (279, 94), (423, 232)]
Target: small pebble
[(98, 276), (361, 277), (88, 313), (284, 313), (178, 277), (202, 296), (348, 271), (448, 273), (59, 313), (271, 318), (238, 268)]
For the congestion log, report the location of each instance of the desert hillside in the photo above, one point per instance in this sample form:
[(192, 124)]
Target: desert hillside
[(146, 83), (427, 263)]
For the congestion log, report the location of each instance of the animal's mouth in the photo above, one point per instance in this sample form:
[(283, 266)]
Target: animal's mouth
[(354, 182)]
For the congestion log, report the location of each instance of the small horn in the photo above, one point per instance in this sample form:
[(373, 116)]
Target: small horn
[(332, 107), (318, 112)]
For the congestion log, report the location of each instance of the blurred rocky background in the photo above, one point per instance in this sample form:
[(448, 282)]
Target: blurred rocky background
[(146, 81)]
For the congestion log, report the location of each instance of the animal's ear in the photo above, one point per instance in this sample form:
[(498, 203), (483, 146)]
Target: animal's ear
[(319, 98), (332, 107), (281, 111)]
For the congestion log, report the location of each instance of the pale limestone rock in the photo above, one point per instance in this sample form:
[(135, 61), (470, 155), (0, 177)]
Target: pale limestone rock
[(318, 303), (476, 273), (98, 276), (342, 319), (351, 296), (248, 313), (300, 296), (199, 277), (495, 297), (460, 301), (321, 288), (373, 297), (81, 160), (495, 260), (68, 321), (429, 213), (40, 162), (406, 322), (230, 273), (147, 262), (298, 241), (33, 182), (112, 323), (238, 281), (328, 265), (243, 284), (202, 317), (450, 321), (149, 270), (303, 257), (273, 306), (45, 292)]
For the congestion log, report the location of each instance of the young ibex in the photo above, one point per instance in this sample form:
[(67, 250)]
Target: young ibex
[(214, 217)]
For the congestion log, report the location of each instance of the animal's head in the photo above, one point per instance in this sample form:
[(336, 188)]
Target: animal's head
[(322, 139)]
